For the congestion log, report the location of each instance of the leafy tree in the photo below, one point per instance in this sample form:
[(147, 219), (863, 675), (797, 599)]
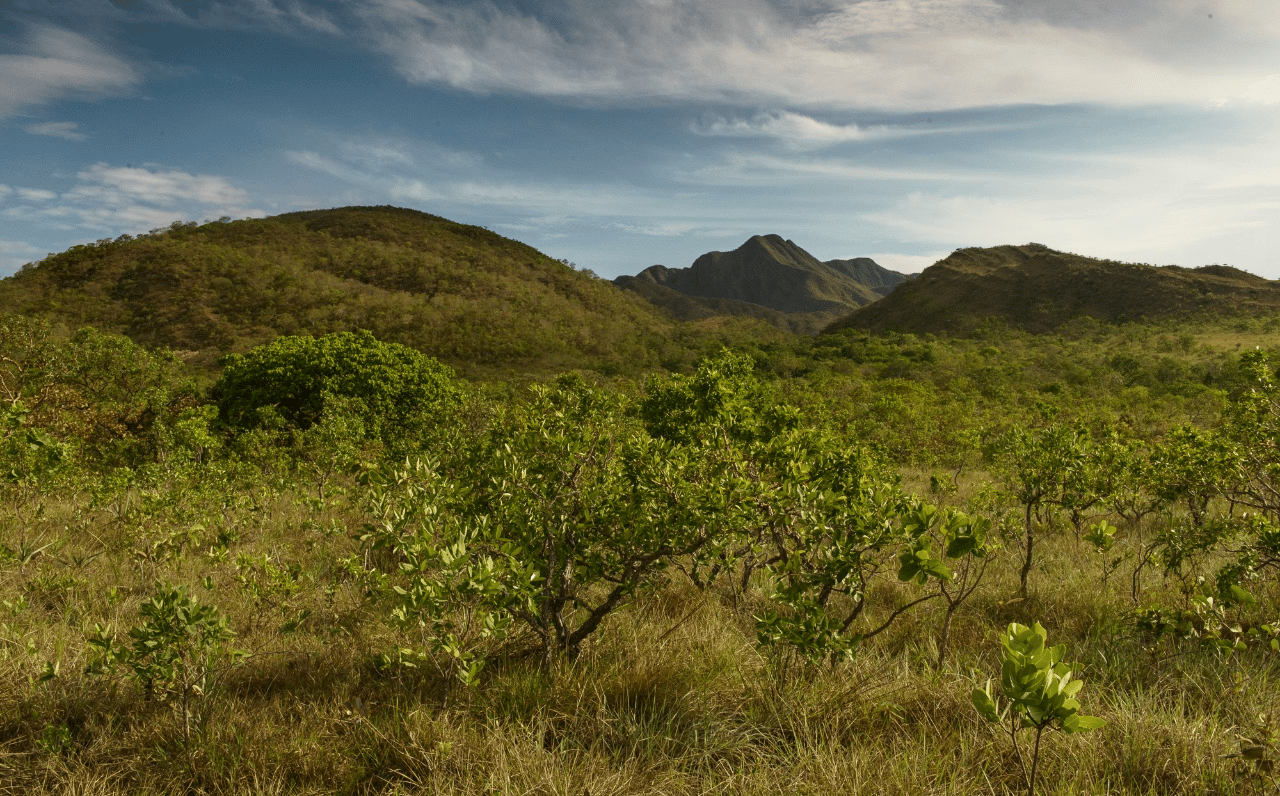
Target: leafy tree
[(404, 393), (567, 511), (178, 654), (821, 519), (962, 540), (1042, 470), (1253, 424)]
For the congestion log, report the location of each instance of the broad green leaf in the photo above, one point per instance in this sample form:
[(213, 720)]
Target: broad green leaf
[(984, 704)]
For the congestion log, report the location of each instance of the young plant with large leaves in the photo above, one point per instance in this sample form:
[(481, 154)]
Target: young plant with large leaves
[(1038, 693)]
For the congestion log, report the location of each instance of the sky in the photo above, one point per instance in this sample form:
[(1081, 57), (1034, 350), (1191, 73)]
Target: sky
[(617, 134)]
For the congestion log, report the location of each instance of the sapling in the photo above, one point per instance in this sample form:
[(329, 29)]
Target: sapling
[(963, 542), (178, 654), (1037, 694)]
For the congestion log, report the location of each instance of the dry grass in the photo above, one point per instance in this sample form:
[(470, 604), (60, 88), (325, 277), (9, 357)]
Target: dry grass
[(673, 696)]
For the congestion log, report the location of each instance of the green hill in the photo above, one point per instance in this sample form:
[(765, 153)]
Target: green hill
[(1037, 289), (460, 293), (767, 278)]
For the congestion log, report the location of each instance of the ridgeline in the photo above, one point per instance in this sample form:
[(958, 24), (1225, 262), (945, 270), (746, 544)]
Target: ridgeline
[(767, 278), (463, 294), (1037, 289)]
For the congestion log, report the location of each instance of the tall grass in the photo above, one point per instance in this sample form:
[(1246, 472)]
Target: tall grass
[(674, 696)]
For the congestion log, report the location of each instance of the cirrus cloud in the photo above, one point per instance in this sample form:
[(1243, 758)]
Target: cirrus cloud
[(69, 131), (843, 54)]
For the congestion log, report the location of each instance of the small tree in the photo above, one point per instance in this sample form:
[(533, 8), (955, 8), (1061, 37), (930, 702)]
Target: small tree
[(555, 523), (178, 655), (1040, 470), (962, 540), (1038, 694), (403, 393)]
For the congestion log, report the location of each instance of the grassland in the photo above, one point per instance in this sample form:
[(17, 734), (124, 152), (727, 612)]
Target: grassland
[(674, 694)]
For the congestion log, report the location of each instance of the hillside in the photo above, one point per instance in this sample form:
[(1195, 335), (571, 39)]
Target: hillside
[(1037, 289), (461, 293), (766, 278)]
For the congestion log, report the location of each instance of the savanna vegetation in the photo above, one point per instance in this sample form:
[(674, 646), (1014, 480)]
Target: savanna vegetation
[(810, 565)]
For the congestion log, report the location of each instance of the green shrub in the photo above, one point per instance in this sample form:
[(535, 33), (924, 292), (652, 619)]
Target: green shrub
[(402, 393)]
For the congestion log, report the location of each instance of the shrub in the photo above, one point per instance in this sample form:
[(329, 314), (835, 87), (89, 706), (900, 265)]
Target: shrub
[(402, 393)]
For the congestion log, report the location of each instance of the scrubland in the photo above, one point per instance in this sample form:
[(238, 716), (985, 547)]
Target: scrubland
[(325, 604)]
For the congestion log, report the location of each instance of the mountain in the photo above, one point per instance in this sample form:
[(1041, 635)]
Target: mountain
[(768, 278), (461, 293), (868, 272), (1035, 288)]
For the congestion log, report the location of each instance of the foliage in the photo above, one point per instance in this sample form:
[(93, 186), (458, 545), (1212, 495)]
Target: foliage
[(963, 542), (402, 394), (1044, 471), (771, 495), (179, 652), (453, 576), (562, 519), (1037, 693), (460, 293)]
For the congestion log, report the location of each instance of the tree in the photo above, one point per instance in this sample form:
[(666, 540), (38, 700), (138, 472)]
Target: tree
[(566, 511), (404, 393), (1042, 470)]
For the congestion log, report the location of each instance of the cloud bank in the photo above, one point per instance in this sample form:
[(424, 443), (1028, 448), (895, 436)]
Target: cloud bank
[(112, 198)]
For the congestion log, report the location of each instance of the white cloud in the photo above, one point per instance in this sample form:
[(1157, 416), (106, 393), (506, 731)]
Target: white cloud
[(59, 64), (314, 19), (1164, 206), (15, 253), (801, 132), (1264, 92), (429, 173), (771, 170), (67, 130), (326, 165), (906, 263), (888, 54), (127, 184), (128, 199), (413, 190), (668, 229), (16, 247), (795, 129)]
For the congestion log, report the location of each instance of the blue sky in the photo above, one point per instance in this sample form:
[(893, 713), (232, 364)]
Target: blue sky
[(623, 133)]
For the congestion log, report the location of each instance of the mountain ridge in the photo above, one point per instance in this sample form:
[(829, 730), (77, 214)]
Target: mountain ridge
[(1037, 289), (461, 293), (767, 277)]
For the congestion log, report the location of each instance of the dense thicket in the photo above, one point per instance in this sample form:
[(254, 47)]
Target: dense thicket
[(398, 393)]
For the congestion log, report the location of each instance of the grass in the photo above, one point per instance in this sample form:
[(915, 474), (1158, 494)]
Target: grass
[(673, 697)]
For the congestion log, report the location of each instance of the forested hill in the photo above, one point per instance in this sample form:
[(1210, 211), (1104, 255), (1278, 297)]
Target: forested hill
[(461, 293), (1037, 289)]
